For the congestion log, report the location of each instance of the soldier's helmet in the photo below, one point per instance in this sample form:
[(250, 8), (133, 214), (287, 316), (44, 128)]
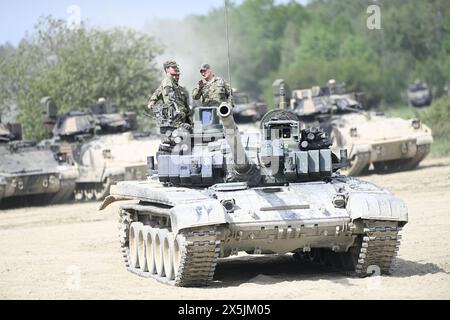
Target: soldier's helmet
[(204, 67), (171, 63)]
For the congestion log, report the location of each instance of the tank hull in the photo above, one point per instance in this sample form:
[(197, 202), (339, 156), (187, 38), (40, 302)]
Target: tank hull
[(35, 172), (299, 218), (388, 144)]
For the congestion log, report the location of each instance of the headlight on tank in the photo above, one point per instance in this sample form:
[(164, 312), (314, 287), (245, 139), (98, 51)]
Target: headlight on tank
[(228, 204), (45, 183), (339, 201), (52, 179), (14, 183), (20, 184), (415, 123)]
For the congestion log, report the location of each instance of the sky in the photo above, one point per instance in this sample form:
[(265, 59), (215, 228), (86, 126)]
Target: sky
[(19, 16)]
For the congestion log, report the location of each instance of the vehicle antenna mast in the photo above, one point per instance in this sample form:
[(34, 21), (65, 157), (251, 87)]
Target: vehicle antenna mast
[(228, 50)]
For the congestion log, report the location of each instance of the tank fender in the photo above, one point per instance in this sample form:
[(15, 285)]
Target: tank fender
[(113, 172), (363, 148), (424, 140), (197, 214), (376, 206), (111, 199), (68, 172)]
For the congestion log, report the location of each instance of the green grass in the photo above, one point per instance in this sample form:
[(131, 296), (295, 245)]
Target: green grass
[(436, 116), (403, 111)]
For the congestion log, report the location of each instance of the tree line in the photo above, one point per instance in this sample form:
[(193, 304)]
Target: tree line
[(304, 44)]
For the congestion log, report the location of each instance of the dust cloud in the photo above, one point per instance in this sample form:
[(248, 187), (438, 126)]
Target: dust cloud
[(191, 45)]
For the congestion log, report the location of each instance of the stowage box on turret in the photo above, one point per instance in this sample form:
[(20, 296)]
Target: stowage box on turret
[(216, 193)]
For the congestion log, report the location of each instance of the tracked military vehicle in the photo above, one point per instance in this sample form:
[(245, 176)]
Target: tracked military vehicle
[(245, 110), (419, 94), (30, 174), (216, 193), (102, 143), (374, 141)]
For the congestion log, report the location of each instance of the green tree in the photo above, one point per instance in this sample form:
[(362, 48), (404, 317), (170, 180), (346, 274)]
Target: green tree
[(76, 67)]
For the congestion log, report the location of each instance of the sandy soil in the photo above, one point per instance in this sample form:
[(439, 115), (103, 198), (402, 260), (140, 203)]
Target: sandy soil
[(72, 252)]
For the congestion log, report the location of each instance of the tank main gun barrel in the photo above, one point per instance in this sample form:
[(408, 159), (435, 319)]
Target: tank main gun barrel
[(233, 137)]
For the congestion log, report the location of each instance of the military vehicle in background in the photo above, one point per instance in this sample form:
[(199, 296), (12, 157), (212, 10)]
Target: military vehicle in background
[(30, 174), (216, 193), (245, 110), (419, 94), (372, 139), (103, 144)]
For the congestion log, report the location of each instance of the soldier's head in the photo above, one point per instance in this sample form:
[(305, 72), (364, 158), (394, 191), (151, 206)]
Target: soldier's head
[(171, 68), (206, 72)]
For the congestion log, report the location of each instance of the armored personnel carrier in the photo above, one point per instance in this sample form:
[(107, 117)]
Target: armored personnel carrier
[(373, 140), (102, 143), (28, 172), (216, 193), (419, 94), (245, 110)]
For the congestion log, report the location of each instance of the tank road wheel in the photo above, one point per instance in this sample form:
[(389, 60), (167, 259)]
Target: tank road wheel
[(159, 257), (168, 255), (102, 189), (142, 248), (179, 248), (150, 250), (79, 195), (88, 194), (135, 228)]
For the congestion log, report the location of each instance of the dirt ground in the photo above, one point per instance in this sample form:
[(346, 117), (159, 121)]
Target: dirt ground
[(72, 252)]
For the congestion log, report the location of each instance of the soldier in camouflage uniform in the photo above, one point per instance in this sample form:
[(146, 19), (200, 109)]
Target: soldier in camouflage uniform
[(212, 90), (171, 93)]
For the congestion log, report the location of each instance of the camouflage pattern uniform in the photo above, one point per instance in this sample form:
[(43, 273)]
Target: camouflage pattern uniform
[(213, 92), (170, 92)]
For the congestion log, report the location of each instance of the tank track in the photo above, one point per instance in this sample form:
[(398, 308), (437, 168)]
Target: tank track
[(199, 254), (422, 152), (96, 192), (378, 248), (374, 252), (359, 163)]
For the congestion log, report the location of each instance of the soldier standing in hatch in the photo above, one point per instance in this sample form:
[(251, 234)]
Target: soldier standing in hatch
[(171, 93), (212, 90)]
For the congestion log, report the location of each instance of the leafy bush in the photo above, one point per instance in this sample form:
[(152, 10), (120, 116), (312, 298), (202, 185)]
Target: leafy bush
[(437, 117)]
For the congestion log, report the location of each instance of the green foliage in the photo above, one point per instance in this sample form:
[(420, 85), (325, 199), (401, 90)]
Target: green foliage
[(437, 116), (76, 67), (258, 30), (307, 45)]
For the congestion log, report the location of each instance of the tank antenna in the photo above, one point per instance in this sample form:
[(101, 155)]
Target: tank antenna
[(228, 49)]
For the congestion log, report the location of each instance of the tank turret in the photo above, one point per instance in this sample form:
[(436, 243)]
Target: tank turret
[(216, 152)]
